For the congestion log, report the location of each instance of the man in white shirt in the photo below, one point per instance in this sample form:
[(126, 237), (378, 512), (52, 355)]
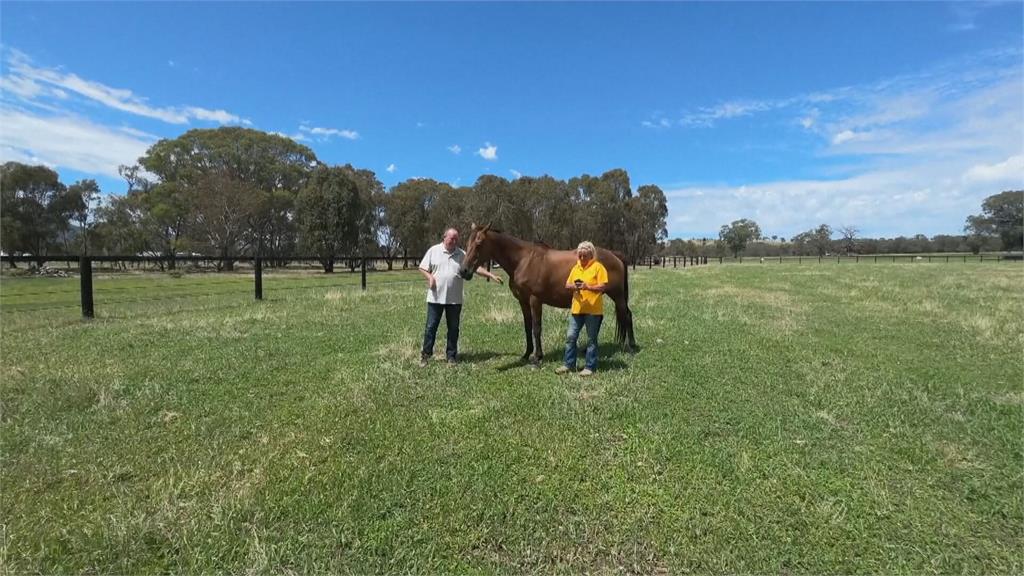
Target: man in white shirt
[(440, 266)]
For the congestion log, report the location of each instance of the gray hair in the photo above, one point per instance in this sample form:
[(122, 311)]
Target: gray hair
[(587, 247)]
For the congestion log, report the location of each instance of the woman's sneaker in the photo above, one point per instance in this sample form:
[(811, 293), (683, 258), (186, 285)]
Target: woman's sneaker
[(562, 370), (586, 372)]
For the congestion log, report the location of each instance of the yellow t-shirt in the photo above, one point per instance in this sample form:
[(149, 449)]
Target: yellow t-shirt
[(588, 301)]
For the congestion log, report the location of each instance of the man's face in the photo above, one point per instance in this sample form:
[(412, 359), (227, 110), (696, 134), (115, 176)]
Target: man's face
[(451, 239)]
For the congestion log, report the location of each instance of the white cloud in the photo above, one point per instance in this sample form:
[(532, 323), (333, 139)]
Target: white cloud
[(68, 142), (1009, 171), (26, 81), (219, 116), (810, 119), (516, 174), (844, 136), (391, 168), (455, 149), (488, 152), (707, 116), (298, 136), (919, 199), (657, 122), (326, 133), (920, 153)]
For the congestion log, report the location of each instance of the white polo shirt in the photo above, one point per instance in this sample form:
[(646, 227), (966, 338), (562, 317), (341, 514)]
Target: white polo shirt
[(444, 265)]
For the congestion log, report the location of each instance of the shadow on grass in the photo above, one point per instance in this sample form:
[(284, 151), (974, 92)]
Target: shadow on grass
[(473, 357), (606, 362)]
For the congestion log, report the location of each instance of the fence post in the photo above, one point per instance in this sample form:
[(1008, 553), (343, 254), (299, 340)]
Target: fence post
[(650, 262), (819, 259), (362, 273), (85, 271), (259, 278)]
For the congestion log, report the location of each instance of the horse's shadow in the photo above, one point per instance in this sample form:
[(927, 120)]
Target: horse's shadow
[(607, 359), (473, 357)]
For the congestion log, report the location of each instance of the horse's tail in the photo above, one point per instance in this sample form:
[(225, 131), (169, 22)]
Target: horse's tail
[(623, 315)]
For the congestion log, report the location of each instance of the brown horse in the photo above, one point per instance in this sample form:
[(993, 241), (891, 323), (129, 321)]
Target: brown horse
[(536, 276)]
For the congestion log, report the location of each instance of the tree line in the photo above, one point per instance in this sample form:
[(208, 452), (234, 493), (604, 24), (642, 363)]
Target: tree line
[(1000, 226), (234, 191)]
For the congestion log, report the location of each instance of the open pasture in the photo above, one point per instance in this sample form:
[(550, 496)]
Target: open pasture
[(788, 418)]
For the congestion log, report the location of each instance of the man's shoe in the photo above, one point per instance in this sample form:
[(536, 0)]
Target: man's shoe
[(562, 370), (586, 372), (423, 361)]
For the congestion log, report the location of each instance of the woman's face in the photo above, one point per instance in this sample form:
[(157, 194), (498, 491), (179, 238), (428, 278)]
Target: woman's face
[(584, 255)]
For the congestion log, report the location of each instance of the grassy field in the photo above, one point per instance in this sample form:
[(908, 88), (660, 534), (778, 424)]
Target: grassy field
[(784, 418)]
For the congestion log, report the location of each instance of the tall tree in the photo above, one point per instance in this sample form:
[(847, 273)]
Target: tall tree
[(222, 212), (817, 241), (267, 168), (408, 212), (645, 218), (1003, 216), (329, 214), (29, 223), (735, 236), (552, 211), (849, 238)]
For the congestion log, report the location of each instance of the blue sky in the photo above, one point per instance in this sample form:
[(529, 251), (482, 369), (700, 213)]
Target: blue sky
[(894, 118)]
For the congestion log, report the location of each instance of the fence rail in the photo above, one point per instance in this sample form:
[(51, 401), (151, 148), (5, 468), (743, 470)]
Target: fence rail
[(677, 261), (364, 265)]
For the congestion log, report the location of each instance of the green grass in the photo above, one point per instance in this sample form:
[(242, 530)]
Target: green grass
[(787, 418)]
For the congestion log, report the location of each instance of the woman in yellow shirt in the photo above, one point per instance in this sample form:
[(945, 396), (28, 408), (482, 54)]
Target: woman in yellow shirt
[(588, 281)]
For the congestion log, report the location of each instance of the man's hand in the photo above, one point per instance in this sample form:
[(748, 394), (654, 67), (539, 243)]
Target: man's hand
[(431, 282), (487, 274)]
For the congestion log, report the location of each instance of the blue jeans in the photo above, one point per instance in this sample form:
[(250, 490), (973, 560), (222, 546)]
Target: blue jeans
[(576, 324), (452, 312)]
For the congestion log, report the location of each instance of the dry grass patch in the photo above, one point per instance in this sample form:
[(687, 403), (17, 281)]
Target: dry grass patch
[(502, 315), (774, 299), (1009, 399)]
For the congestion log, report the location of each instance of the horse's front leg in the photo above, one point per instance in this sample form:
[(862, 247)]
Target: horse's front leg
[(538, 321), (528, 327)]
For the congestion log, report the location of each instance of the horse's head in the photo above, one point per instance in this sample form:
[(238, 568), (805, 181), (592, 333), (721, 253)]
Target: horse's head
[(477, 251)]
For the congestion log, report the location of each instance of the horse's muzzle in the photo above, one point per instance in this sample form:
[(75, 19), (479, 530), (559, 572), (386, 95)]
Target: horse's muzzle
[(466, 274)]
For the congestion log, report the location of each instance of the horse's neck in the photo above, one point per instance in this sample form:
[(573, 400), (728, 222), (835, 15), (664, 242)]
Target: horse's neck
[(511, 251)]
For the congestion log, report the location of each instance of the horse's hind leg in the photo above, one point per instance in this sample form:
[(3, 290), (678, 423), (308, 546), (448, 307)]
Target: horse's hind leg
[(538, 322), (528, 327), (624, 324)]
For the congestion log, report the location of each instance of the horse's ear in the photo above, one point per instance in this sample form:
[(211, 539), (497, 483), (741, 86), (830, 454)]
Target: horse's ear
[(472, 226), (488, 227)]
